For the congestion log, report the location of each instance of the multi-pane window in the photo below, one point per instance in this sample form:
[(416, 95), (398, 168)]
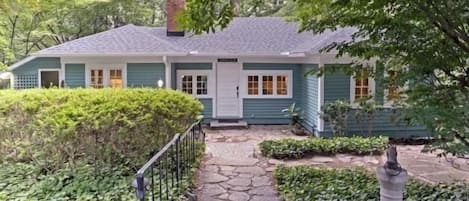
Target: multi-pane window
[(202, 82), (97, 79), (194, 82), (282, 87), (361, 88), (253, 85), (267, 85), (115, 78), (393, 90), (187, 84)]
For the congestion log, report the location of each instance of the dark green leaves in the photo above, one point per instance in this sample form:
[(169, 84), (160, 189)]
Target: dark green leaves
[(309, 183), (293, 148)]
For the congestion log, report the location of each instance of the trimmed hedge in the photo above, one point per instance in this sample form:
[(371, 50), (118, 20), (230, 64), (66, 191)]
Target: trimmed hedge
[(295, 148), (53, 127), (311, 183)]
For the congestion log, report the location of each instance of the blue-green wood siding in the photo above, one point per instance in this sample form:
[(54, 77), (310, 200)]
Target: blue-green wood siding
[(337, 86), (266, 110), (26, 75), (208, 107), (34, 65), (309, 97), (145, 74), (186, 66), (75, 75)]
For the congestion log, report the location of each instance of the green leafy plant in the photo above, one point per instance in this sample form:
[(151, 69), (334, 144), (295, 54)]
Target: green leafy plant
[(365, 114), (312, 183), (295, 114), (54, 127), (337, 114), (294, 148)]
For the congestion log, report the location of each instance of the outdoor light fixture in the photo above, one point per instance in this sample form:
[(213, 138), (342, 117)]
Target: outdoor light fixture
[(160, 83)]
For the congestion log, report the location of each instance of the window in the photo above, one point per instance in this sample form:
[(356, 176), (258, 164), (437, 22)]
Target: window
[(393, 92), (253, 85), (361, 87), (282, 85), (115, 78), (268, 83), (194, 82), (97, 79), (202, 88), (187, 84)]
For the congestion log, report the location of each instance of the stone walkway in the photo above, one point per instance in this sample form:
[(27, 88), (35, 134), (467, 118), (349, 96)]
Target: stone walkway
[(234, 170)]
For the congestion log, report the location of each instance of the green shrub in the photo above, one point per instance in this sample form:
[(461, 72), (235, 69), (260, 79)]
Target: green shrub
[(311, 183), (63, 126), (296, 148)]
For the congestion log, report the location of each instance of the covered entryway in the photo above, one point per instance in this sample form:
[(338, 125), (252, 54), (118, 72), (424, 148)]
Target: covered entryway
[(49, 78), (228, 100)]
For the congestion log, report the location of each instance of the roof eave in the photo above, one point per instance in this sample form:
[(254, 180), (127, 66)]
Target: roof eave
[(110, 54)]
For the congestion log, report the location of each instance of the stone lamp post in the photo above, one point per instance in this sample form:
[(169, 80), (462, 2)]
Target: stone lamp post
[(392, 177)]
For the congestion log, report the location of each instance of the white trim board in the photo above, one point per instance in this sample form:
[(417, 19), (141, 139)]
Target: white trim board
[(39, 78)]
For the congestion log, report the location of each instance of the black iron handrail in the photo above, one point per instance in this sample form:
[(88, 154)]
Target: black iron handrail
[(171, 166)]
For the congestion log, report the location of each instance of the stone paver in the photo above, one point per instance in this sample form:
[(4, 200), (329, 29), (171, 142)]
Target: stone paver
[(234, 169), (234, 165)]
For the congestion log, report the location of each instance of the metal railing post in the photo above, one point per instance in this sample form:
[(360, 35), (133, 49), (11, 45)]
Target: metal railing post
[(140, 187), (178, 162)]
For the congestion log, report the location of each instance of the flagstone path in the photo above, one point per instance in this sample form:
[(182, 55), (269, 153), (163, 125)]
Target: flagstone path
[(234, 170)]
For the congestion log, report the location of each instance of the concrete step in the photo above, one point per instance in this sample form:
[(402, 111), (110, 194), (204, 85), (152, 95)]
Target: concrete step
[(219, 123)]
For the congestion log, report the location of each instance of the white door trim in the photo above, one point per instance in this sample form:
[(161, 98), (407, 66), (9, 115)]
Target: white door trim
[(39, 78)]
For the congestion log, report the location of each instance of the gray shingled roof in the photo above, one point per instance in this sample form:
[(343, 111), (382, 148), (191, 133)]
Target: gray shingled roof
[(251, 35)]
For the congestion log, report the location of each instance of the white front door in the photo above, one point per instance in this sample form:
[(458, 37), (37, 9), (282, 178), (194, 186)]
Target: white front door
[(228, 100)]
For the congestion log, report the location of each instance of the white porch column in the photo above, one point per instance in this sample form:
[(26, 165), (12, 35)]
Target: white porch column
[(320, 96), (167, 71)]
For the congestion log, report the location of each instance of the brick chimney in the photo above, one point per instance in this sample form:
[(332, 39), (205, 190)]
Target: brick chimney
[(172, 9)]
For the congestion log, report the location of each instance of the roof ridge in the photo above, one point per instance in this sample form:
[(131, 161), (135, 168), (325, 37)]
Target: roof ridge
[(158, 38)]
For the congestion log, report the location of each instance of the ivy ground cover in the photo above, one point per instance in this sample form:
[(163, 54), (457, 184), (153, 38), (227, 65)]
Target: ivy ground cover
[(307, 183)]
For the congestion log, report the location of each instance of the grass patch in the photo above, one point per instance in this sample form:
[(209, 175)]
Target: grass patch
[(294, 148), (306, 183)]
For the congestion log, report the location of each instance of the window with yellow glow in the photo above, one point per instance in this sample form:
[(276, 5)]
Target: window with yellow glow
[(253, 85), (267, 85), (115, 79), (282, 88), (97, 79)]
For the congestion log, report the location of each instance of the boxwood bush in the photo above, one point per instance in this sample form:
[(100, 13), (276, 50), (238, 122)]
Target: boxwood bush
[(297, 148), (54, 127), (307, 183)]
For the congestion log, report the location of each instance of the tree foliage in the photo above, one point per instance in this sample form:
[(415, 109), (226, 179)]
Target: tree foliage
[(27, 26), (425, 43)]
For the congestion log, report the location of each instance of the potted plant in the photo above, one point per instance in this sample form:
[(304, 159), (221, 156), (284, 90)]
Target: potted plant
[(296, 116)]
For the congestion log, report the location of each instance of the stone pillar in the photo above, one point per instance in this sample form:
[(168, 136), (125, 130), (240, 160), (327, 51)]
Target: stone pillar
[(391, 186)]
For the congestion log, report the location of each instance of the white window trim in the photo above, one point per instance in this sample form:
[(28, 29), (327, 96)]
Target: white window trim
[(39, 79), (106, 74), (260, 73), (371, 89), (194, 73)]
